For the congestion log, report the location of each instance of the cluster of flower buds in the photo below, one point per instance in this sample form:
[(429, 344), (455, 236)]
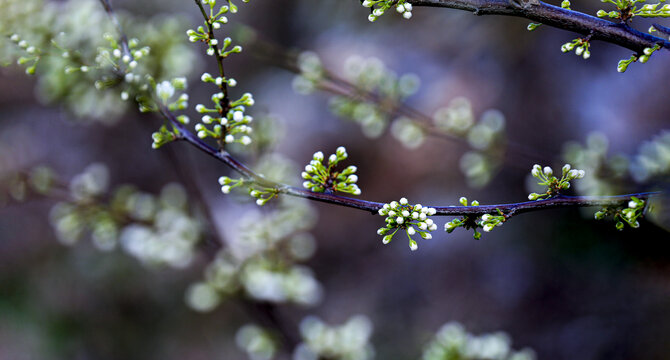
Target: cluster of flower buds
[(554, 184), (231, 128), (163, 136), (581, 47), (165, 91), (412, 218), (262, 194), (215, 21), (228, 184), (320, 178), (487, 221), (628, 215), (126, 61), (32, 56), (380, 6), (646, 53)]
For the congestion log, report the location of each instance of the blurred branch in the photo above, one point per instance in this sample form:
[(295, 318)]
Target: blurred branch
[(338, 86), (598, 29), (373, 207)]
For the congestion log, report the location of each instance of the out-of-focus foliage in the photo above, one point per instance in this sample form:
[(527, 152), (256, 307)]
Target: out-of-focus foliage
[(349, 341), (452, 342), (66, 44), (157, 230)]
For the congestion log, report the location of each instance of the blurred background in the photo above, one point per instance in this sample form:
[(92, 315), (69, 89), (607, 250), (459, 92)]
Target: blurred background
[(555, 281)]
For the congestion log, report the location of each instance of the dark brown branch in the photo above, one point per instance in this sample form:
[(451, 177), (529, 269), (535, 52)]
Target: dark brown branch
[(540, 12), (373, 207)]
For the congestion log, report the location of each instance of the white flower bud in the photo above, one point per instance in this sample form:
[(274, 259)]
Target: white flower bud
[(403, 201), (536, 170), (547, 171)]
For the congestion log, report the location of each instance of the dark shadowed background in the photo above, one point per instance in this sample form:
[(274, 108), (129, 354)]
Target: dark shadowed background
[(556, 281)]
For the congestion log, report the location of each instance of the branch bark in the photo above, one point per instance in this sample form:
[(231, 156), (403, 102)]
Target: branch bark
[(599, 29), (372, 206)]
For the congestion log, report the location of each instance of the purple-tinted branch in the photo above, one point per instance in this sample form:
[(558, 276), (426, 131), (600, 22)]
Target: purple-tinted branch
[(540, 12), (373, 207)]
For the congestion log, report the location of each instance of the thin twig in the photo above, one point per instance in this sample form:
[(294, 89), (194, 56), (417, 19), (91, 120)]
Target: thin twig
[(219, 58)]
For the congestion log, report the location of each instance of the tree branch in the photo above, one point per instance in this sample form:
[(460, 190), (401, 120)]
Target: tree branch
[(537, 11), (373, 207)]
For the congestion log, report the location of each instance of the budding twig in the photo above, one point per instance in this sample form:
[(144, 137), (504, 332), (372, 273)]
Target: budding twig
[(554, 16), (373, 207)]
